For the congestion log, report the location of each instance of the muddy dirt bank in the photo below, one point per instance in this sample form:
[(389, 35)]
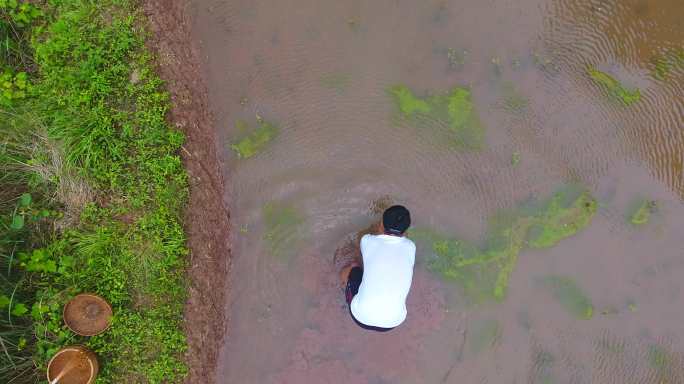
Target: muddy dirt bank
[(206, 218)]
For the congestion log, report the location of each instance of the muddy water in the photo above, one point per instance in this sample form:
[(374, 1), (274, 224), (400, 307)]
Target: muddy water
[(319, 71)]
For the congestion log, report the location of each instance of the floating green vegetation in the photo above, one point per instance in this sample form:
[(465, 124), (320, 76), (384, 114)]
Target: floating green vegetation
[(474, 271), (483, 272), (454, 109), (664, 64), (484, 335), (407, 102), (615, 89), (283, 228), (570, 296), (335, 80), (254, 140), (641, 211), (563, 216)]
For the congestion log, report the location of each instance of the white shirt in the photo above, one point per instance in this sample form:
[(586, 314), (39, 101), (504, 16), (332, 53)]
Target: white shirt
[(387, 274)]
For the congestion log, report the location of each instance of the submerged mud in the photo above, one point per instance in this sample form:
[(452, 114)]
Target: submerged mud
[(468, 113)]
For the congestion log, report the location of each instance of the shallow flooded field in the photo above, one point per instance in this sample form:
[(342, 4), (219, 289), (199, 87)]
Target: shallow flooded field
[(539, 145)]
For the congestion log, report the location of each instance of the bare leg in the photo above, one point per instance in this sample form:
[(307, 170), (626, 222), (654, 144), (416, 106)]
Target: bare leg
[(344, 273)]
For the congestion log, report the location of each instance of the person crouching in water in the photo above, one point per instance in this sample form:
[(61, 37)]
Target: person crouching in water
[(376, 289)]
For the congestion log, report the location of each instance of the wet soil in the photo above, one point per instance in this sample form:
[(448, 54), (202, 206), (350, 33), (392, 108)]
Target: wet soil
[(206, 219)]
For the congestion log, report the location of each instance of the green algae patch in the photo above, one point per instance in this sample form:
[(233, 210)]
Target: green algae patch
[(407, 102), (563, 216), (641, 211), (454, 110), (483, 273), (570, 296), (253, 140), (460, 107), (461, 263), (614, 88), (283, 229), (484, 335)]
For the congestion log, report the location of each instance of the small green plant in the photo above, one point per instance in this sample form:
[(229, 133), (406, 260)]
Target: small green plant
[(13, 87), (16, 21), (254, 140), (641, 211), (515, 158), (614, 88), (407, 102), (21, 13), (571, 297)]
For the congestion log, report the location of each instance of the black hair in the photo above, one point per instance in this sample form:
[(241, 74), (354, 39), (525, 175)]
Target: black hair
[(396, 220)]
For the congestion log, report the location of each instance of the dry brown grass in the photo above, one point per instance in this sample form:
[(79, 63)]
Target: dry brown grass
[(71, 191)]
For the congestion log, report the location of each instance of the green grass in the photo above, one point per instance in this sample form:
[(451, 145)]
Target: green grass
[(407, 102), (483, 272), (563, 216), (453, 110), (89, 142), (614, 88)]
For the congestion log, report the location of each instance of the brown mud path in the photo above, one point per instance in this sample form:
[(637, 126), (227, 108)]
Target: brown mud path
[(320, 71), (206, 218)]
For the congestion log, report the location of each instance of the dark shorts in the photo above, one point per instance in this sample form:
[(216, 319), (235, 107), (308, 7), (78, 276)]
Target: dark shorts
[(353, 284)]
